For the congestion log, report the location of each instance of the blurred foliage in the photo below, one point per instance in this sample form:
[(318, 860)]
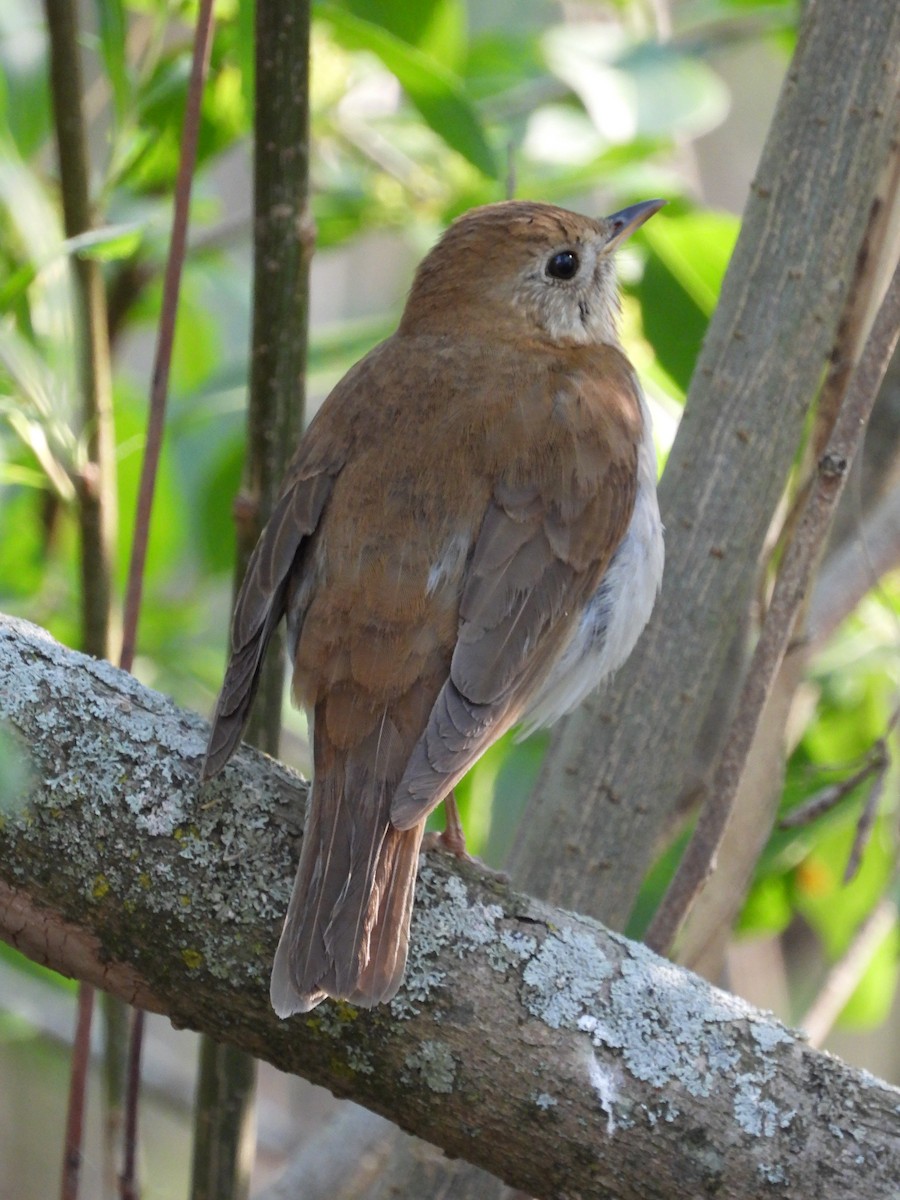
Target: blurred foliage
[(854, 686), (418, 112)]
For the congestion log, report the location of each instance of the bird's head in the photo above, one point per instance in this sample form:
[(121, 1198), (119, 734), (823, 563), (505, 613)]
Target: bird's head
[(521, 269)]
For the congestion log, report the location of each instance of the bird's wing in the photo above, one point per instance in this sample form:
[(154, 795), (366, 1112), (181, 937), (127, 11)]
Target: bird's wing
[(548, 534), (261, 602)]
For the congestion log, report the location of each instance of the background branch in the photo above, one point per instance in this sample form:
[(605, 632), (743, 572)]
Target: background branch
[(96, 485), (636, 754), (864, 543), (283, 243), (790, 588), (560, 1057), (96, 496)]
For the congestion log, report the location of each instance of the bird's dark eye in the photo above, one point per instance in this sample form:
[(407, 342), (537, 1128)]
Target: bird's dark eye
[(563, 265)]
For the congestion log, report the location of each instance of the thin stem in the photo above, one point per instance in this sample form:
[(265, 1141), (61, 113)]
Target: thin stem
[(166, 335), (224, 1122), (155, 426), (283, 241), (128, 1187), (115, 1015), (95, 481), (829, 797), (81, 1051), (787, 598)]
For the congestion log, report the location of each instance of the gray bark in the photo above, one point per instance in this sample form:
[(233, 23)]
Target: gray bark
[(637, 753), (560, 1057)]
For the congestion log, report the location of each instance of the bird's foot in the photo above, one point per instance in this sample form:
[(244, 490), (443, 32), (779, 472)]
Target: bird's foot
[(452, 840)]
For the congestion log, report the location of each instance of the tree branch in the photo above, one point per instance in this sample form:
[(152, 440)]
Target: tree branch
[(788, 594), (629, 759), (560, 1057)]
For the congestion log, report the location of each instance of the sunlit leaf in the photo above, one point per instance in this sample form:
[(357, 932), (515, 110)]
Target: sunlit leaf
[(767, 909), (629, 91), (689, 253), (148, 158), (673, 92), (35, 229), (493, 794), (24, 92), (436, 27), (27, 966), (835, 909), (435, 91), (16, 473), (872, 998), (107, 244), (13, 288), (37, 411)]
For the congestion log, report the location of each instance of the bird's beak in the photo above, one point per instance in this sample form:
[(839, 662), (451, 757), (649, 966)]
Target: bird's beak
[(623, 223)]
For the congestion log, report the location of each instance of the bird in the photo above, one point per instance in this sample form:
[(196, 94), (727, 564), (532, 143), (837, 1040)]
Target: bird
[(467, 539)]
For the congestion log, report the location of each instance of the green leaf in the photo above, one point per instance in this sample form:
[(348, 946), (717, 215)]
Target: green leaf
[(333, 351), (215, 510), (32, 213), (24, 89), (629, 91), (492, 795), (245, 50), (432, 89), (111, 24), (835, 909), (38, 410), (498, 63), (436, 27), (696, 248), (873, 996), (17, 473), (654, 886), (767, 909), (16, 959), (107, 244), (514, 783), (167, 526), (689, 253), (16, 285), (673, 92), (147, 160)]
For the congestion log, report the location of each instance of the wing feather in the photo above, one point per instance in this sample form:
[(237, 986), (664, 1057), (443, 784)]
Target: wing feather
[(260, 606), (549, 532)]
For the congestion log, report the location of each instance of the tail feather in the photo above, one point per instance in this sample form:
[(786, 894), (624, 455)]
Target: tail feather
[(389, 938), (346, 932)]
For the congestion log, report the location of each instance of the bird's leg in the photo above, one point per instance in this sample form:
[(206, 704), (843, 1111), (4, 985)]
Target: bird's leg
[(452, 839)]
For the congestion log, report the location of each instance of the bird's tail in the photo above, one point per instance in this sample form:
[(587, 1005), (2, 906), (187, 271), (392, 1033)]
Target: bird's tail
[(346, 933)]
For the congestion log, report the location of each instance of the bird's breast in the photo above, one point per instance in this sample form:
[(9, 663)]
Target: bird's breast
[(617, 612)]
